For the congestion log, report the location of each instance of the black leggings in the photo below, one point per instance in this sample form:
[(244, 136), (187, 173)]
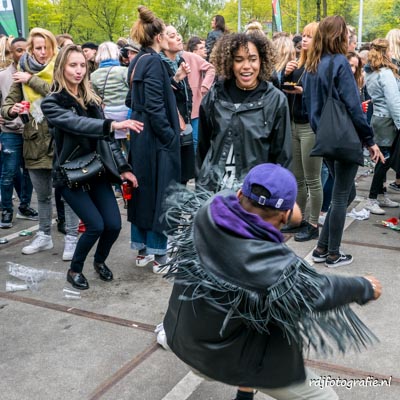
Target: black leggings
[(98, 209)]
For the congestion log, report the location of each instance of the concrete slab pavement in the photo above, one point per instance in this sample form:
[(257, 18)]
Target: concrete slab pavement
[(103, 347)]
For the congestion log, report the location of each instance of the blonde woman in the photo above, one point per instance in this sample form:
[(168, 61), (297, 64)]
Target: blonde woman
[(306, 169), (74, 111), (285, 52), (31, 84)]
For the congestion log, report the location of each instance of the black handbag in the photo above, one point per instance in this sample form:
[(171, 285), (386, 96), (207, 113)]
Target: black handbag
[(336, 137), (81, 170), (187, 136)]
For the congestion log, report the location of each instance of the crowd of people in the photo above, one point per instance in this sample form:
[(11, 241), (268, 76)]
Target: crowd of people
[(236, 112)]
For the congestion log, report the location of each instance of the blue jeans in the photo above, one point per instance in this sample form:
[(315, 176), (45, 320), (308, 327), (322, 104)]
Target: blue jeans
[(343, 193), (195, 126), (11, 175), (153, 242), (98, 209)]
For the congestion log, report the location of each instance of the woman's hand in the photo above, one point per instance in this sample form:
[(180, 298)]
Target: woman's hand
[(290, 67), (296, 90), (21, 77), (131, 124), (376, 285), (376, 154), (182, 72), (16, 109), (128, 176)]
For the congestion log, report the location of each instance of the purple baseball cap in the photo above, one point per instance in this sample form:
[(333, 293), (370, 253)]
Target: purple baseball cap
[(279, 181)]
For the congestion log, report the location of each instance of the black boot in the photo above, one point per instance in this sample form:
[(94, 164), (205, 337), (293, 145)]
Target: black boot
[(309, 233), (103, 271)]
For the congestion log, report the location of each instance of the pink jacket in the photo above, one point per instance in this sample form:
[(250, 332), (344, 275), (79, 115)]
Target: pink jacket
[(201, 76)]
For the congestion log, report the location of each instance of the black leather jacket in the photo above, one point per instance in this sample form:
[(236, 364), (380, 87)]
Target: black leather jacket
[(81, 131), (259, 130)]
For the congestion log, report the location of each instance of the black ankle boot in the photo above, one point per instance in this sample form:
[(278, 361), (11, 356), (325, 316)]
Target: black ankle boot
[(103, 271), (309, 233)]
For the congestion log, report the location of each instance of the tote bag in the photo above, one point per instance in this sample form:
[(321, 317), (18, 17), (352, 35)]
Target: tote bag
[(336, 137)]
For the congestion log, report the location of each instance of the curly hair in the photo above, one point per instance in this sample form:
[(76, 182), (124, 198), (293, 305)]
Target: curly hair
[(378, 56), (224, 51)]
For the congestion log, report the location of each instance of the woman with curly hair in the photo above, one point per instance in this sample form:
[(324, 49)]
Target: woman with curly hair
[(244, 119)]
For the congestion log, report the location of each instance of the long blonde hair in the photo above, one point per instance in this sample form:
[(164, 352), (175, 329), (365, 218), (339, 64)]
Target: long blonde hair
[(86, 94), (285, 52), (49, 38), (393, 37)]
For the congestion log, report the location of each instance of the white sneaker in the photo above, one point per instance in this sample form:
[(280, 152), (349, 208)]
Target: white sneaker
[(160, 269), (384, 201), (161, 336), (39, 243), (142, 261), (373, 206), (69, 247)]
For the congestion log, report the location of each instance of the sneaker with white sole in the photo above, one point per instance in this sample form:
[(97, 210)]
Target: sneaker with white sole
[(142, 261), (27, 213), (319, 257), (161, 336), (373, 206), (384, 201), (343, 259), (69, 247), (160, 269), (39, 243), (394, 186)]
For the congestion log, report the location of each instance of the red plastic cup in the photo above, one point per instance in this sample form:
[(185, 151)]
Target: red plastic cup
[(24, 114), (127, 190), (27, 107)]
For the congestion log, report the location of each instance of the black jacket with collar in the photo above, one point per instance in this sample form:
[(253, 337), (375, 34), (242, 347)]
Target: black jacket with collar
[(81, 131)]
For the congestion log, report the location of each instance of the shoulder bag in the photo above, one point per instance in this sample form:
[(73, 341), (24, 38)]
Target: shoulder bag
[(336, 137), (80, 170)]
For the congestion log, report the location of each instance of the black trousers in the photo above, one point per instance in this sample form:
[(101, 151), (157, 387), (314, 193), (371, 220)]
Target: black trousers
[(98, 209)]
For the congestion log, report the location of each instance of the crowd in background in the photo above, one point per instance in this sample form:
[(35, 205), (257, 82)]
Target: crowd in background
[(158, 110)]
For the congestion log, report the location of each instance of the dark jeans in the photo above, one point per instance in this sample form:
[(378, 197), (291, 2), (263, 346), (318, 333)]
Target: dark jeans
[(343, 193), (11, 175), (98, 209), (380, 174)]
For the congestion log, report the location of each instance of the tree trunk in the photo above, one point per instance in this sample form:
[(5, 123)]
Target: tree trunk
[(324, 8), (318, 10)]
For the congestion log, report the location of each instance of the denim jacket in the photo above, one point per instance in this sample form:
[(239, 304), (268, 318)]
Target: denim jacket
[(384, 89)]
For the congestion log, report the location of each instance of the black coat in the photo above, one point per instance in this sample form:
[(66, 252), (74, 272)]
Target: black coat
[(184, 104), (86, 130), (155, 152)]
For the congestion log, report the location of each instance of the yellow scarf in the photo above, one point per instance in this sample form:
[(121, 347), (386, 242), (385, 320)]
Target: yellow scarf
[(34, 98)]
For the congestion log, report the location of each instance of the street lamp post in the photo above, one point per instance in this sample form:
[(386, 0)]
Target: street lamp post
[(360, 23), (239, 15)]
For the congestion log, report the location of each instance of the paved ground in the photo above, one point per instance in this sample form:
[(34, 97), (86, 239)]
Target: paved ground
[(103, 347)]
